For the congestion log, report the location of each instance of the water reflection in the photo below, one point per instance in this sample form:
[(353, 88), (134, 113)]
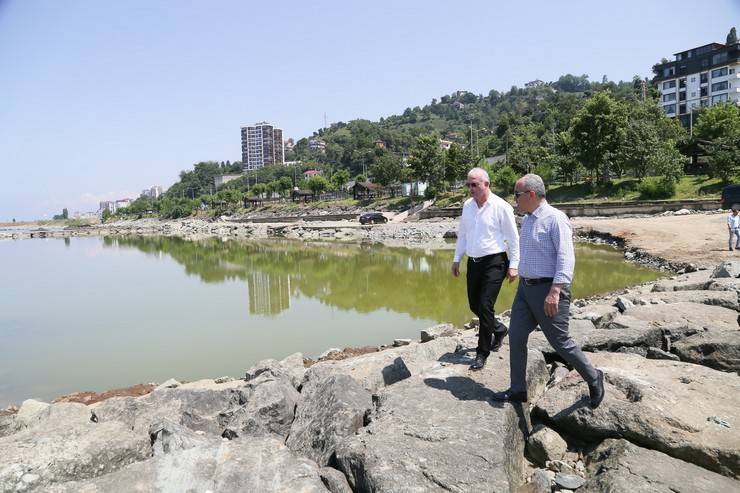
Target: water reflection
[(364, 278)]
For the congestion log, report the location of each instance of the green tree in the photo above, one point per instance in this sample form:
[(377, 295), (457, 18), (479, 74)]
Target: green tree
[(65, 213), (106, 215), (339, 178), (285, 186), (457, 163), (259, 189), (426, 161), (718, 131), (598, 132), (503, 181), (317, 184), (387, 169)]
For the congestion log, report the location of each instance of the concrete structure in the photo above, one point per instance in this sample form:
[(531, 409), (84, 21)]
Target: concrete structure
[(698, 78), (317, 145), (221, 180), (262, 145)]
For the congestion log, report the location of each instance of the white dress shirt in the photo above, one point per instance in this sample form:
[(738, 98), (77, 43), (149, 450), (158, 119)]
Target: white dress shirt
[(733, 221), (488, 230)]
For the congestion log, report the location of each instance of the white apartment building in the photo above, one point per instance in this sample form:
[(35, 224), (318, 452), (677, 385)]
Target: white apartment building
[(698, 78), (262, 145)]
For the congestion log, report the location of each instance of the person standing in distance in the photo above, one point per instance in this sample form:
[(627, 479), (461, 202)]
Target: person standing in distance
[(733, 227), (488, 236), (543, 295)]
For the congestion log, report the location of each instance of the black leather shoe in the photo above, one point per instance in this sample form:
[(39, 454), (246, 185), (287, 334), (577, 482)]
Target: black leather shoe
[(498, 340), (596, 391), (509, 396), (480, 362)]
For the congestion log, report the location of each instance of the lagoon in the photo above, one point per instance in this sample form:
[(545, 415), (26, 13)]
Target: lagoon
[(95, 313)]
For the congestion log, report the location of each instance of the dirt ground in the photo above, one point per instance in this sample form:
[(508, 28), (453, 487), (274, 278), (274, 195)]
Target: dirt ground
[(700, 239)]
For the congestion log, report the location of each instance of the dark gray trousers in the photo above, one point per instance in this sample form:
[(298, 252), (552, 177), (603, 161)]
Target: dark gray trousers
[(528, 311)]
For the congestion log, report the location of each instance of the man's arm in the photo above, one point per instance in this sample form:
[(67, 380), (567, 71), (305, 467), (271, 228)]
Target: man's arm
[(565, 261), (511, 237), (459, 246)]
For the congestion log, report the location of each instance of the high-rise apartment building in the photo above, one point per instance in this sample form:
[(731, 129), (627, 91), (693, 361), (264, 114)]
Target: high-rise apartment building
[(262, 145), (698, 78)]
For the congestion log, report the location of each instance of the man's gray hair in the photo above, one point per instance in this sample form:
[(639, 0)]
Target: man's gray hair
[(479, 173), (533, 183)]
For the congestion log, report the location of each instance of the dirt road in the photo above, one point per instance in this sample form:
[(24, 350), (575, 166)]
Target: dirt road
[(700, 239)]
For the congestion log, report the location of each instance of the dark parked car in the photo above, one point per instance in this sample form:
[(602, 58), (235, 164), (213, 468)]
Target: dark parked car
[(373, 218), (731, 197)]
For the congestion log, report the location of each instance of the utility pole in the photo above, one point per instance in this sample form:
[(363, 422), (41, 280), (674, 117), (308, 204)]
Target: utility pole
[(325, 120), (644, 90)]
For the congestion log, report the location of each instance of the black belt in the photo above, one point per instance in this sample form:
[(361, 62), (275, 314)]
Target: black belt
[(534, 282), (486, 257)]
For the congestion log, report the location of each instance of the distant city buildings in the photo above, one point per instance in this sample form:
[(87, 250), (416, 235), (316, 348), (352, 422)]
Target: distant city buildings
[(155, 192), (698, 78), (262, 145)]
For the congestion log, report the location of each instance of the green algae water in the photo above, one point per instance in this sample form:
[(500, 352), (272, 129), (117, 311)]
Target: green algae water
[(100, 313)]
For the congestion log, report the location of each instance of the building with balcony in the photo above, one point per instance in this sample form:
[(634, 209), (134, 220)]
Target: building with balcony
[(262, 145), (698, 78)]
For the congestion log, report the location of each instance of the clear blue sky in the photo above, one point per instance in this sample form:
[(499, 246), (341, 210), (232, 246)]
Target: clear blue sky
[(100, 99)]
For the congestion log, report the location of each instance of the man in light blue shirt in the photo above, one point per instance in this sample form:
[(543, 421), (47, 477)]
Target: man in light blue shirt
[(546, 263)]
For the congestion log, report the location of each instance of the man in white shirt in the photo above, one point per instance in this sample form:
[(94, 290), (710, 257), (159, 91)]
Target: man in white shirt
[(488, 236), (733, 226)]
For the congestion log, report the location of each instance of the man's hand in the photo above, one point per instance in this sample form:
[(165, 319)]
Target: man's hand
[(456, 269), (512, 275), (552, 300)]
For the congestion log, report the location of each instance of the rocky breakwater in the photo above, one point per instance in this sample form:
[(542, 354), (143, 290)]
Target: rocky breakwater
[(415, 418)]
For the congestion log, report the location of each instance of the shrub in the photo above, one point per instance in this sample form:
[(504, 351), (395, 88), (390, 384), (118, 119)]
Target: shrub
[(503, 181), (657, 188)]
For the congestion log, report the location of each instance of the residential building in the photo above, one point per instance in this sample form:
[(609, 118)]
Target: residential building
[(221, 180), (107, 204), (289, 144), (122, 203), (380, 144), (310, 173), (445, 144), (534, 83), (698, 78), (317, 145), (155, 192), (262, 145)]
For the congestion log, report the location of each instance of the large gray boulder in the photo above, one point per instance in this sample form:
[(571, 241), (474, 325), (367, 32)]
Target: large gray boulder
[(269, 408), (198, 406), (619, 466), (726, 299), (437, 331), (720, 351), (708, 316), (441, 431), (29, 412), (262, 464), (64, 444), (730, 268), (599, 315), (622, 332), (329, 410), (544, 444), (693, 281), (678, 408), (290, 367), (376, 370)]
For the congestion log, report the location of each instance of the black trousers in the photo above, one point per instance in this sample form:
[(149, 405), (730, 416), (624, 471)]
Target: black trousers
[(485, 276)]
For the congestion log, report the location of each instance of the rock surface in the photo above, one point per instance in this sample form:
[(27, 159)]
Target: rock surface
[(658, 404), (329, 410), (441, 431), (545, 445), (258, 464), (621, 467)]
